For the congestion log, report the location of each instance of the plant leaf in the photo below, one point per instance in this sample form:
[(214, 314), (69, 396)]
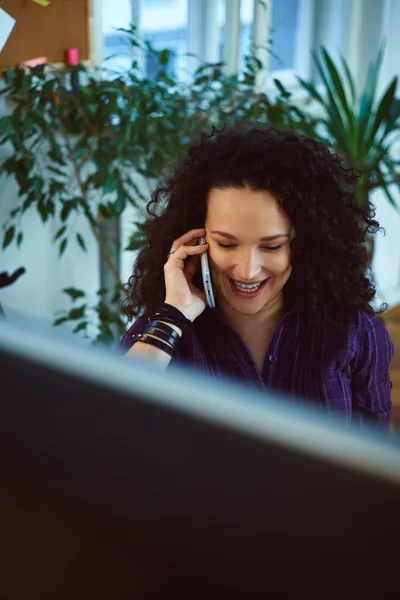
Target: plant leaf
[(136, 241), (311, 90), (59, 321), (337, 85), (389, 196), (63, 246), (8, 236), (393, 117), (281, 88), (350, 80), (59, 233), (336, 123), (383, 112), (6, 126), (80, 327), (77, 313), (368, 95), (74, 293), (338, 90), (120, 202), (81, 241)]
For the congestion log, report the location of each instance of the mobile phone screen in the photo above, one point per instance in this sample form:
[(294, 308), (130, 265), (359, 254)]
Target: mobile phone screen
[(205, 271)]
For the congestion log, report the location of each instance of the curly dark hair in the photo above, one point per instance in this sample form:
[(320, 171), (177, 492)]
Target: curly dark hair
[(315, 187)]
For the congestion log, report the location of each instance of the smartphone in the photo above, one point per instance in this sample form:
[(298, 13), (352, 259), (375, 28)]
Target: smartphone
[(205, 271)]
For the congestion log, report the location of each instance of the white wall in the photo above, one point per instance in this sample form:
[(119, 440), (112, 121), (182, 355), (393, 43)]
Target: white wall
[(38, 293)]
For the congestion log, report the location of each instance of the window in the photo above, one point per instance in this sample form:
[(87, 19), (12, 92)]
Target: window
[(199, 27), (281, 28), (221, 18), (117, 50), (246, 24), (283, 33), (164, 24), (290, 38)]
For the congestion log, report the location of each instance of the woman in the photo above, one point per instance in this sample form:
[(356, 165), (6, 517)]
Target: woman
[(285, 238)]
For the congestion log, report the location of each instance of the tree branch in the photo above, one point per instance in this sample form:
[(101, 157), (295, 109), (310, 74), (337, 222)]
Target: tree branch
[(93, 224)]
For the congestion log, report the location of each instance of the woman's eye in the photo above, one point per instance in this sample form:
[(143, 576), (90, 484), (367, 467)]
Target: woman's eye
[(226, 246), (265, 248), (272, 248)]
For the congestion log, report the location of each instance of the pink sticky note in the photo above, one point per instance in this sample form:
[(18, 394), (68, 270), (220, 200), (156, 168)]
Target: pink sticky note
[(34, 62)]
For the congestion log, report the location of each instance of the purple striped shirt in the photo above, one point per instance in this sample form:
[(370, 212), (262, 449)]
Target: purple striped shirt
[(343, 371)]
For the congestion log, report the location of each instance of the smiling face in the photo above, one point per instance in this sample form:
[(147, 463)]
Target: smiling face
[(249, 236)]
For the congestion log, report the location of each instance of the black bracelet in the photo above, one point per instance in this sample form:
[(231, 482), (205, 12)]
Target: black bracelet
[(177, 313), (161, 335), (166, 328), (165, 319), (152, 341), (170, 314)]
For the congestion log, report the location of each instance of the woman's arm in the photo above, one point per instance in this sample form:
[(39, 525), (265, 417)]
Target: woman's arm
[(182, 298), (371, 385), (147, 351), (140, 350)]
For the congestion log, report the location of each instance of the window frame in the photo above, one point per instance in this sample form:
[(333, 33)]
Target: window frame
[(305, 36), (203, 38)]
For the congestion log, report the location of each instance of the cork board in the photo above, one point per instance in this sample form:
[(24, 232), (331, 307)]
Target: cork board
[(45, 31)]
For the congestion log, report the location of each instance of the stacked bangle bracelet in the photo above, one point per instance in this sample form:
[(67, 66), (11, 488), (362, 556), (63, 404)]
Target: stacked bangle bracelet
[(159, 333), (170, 314)]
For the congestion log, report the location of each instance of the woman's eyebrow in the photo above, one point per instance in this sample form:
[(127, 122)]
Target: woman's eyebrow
[(269, 238)]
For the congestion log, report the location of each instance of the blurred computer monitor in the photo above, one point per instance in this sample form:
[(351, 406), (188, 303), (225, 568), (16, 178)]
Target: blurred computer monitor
[(119, 480)]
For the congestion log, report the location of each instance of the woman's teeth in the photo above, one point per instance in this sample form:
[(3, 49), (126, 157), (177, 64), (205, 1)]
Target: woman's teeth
[(247, 288)]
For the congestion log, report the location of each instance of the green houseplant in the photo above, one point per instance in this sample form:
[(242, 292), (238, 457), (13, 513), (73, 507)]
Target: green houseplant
[(363, 127), (88, 153)]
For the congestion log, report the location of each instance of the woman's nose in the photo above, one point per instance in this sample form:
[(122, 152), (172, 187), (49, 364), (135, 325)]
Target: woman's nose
[(248, 267)]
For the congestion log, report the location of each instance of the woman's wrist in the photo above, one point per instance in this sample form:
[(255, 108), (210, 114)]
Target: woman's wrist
[(164, 329), (170, 313), (174, 327), (161, 335), (183, 310)]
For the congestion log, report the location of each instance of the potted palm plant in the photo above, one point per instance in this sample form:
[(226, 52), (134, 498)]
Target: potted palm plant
[(361, 126)]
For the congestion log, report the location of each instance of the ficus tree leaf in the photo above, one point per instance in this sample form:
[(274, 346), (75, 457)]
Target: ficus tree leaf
[(73, 293), (81, 241), (63, 246), (8, 236)]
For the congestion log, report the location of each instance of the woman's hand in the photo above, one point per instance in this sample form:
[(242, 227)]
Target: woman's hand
[(180, 292)]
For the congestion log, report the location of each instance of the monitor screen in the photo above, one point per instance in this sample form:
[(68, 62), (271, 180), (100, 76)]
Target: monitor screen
[(120, 480)]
